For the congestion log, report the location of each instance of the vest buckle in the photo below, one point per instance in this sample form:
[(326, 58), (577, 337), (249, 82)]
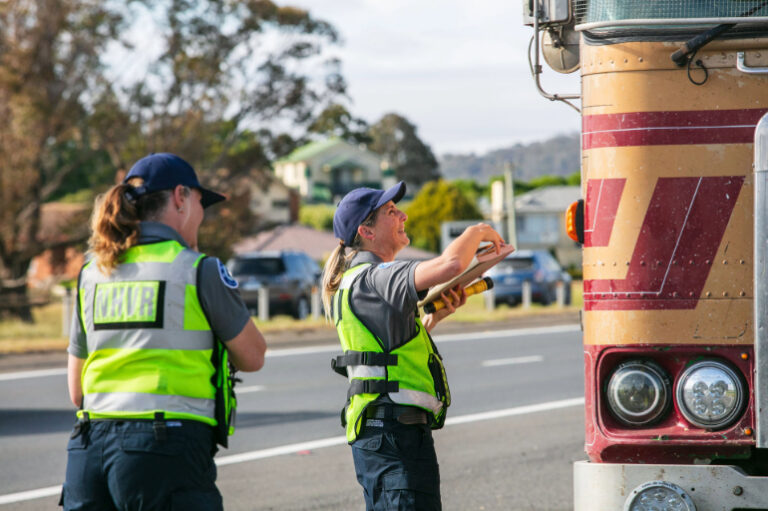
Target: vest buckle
[(159, 428)]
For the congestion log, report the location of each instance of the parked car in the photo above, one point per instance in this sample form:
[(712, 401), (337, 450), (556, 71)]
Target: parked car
[(289, 276), (539, 268)]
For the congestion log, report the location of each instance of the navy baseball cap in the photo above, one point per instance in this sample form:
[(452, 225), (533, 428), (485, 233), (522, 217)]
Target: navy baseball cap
[(165, 171), (357, 205)]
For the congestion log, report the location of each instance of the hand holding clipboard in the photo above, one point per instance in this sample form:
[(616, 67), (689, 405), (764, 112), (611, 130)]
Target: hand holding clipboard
[(483, 260)]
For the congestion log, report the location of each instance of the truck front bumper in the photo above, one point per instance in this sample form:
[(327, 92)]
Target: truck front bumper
[(608, 486)]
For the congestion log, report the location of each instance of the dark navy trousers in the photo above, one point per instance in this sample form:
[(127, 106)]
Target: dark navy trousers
[(123, 465), (397, 466)]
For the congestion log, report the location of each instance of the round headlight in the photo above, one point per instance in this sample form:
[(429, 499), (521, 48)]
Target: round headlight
[(657, 496), (711, 394), (639, 392)]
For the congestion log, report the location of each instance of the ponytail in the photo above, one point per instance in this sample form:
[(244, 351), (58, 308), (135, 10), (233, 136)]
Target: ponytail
[(115, 221), (333, 271), (338, 263)]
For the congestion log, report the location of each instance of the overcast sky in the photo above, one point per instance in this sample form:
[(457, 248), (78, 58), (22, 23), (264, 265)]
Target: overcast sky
[(455, 68)]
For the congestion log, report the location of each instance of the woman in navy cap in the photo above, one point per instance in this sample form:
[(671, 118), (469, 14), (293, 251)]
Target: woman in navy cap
[(398, 389), (146, 363)]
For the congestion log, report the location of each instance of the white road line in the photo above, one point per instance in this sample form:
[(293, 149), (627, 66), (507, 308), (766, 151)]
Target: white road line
[(30, 495), (20, 375), (325, 442), (331, 348), (280, 450), (250, 388), (512, 361)]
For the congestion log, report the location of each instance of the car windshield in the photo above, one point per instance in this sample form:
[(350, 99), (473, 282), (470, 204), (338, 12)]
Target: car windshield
[(258, 266), (516, 264)]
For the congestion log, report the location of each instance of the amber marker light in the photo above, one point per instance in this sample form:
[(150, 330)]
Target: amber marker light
[(745, 356), (574, 221), (748, 431)]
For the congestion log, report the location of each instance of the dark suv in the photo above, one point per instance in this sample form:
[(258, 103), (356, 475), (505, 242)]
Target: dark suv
[(289, 276), (535, 266)]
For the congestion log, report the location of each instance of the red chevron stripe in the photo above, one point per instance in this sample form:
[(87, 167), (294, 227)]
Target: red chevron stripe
[(680, 235), (603, 196)]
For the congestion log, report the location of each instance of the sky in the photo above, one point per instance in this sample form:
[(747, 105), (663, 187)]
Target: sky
[(457, 69)]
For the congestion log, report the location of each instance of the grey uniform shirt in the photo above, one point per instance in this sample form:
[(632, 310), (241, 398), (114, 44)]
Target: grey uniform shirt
[(384, 299), (222, 305)]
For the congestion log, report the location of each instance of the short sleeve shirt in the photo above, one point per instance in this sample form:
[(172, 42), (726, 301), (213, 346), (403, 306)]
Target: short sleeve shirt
[(221, 302), (384, 298)]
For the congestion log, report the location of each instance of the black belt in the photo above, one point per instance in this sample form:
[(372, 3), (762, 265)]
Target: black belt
[(403, 414)]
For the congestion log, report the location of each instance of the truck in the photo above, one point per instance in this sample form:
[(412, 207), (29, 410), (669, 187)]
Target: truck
[(674, 225)]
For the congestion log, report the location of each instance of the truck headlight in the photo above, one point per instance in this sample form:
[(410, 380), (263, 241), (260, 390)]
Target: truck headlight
[(639, 392), (710, 394), (655, 495)]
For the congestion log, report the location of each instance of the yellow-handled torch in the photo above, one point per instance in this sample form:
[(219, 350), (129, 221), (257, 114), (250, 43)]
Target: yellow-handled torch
[(481, 285)]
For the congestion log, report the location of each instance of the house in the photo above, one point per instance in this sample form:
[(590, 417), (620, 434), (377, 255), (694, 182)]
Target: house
[(271, 201), (60, 224), (324, 170), (540, 222), (317, 244)]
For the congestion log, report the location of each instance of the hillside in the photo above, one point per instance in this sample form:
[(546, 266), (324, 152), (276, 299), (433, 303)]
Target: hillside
[(557, 156)]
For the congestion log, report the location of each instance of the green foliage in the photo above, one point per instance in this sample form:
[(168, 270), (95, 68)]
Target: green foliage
[(336, 121), (437, 202), (317, 216), (574, 179), (471, 189), (545, 181), (395, 138)]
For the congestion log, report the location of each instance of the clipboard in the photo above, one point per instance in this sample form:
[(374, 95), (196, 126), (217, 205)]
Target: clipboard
[(482, 261)]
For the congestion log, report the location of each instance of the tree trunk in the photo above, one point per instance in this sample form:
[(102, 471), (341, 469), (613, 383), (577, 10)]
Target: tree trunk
[(15, 303)]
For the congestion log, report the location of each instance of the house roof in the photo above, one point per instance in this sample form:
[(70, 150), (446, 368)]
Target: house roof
[(61, 221), (317, 244), (548, 199), (309, 150)]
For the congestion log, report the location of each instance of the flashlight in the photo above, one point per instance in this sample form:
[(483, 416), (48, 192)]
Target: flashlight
[(478, 287)]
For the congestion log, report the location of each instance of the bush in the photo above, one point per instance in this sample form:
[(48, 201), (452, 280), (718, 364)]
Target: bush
[(437, 202), (317, 216)]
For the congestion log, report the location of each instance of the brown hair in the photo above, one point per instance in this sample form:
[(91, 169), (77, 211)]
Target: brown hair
[(116, 217), (338, 262)]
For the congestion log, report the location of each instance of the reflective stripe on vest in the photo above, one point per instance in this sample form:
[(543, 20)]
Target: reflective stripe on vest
[(149, 342), (416, 386)]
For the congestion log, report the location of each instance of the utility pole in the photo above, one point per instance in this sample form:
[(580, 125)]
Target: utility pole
[(509, 185)]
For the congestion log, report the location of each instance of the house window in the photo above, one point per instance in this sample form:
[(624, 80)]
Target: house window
[(279, 204), (538, 229)]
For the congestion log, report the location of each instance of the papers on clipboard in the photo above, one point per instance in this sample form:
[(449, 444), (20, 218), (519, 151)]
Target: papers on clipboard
[(480, 263)]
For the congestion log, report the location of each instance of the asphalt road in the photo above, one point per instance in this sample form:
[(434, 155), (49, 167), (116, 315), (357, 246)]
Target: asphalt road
[(515, 427)]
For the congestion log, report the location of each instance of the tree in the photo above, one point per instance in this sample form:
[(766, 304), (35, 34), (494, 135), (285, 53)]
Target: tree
[(395, 138), (226, 70), (336, 121), (437, 202), (49, 67)]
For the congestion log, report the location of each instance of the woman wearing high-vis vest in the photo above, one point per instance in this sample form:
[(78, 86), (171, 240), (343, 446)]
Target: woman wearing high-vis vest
[(145, 356), (398, 390)]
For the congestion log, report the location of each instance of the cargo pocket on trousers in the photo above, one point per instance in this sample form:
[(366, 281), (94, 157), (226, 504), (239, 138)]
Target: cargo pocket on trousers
[(405, 492), (368, 443), (196, 500)]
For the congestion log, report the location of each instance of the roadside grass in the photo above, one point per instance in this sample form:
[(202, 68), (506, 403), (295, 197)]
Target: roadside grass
[(45, 333)]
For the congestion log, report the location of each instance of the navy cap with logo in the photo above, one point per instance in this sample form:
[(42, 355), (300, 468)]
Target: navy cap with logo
[(357, 205), (165, 171)]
